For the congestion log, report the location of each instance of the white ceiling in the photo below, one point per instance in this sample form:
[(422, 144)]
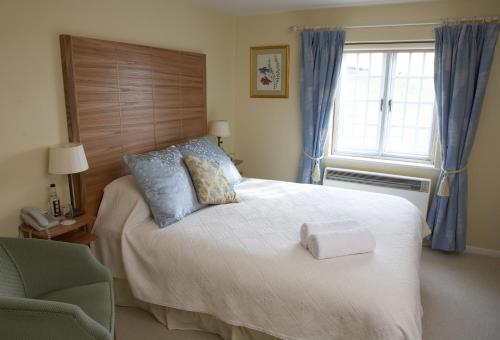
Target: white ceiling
[(250, 7)]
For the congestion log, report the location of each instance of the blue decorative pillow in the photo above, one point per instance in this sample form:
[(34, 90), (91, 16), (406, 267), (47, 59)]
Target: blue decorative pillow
[(165, 183), (204, 148)]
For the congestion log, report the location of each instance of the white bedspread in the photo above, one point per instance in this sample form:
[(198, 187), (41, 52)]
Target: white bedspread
[(243, 264)]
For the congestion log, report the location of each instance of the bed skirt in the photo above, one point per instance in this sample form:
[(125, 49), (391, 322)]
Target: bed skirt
[(176, 319)]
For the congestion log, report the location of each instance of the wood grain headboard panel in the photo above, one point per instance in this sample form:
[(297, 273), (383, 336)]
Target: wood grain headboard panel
[(123, 98)]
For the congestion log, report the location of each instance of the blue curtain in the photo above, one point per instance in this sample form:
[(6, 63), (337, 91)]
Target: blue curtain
[(464, 54), (320, 68)]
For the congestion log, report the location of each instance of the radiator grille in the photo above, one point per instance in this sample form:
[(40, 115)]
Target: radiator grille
[(377, 180)]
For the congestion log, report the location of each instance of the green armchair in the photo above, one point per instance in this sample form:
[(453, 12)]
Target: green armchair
[(53, 290)]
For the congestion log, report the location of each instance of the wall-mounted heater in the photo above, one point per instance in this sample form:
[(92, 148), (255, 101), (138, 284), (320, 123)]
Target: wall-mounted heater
[(416, 190)]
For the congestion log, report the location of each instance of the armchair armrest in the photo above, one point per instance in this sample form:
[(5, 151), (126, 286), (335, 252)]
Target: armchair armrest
[(46, 266), (36, 319)]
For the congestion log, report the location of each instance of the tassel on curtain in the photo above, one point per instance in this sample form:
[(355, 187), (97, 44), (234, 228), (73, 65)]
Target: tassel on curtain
[(321, 59), (444, 184), (464, 54), (316, 169)]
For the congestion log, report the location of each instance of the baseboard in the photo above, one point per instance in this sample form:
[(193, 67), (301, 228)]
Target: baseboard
[(482, 251)]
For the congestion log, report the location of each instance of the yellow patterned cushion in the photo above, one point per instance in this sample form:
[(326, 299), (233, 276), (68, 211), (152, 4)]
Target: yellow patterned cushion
[(212, 187)]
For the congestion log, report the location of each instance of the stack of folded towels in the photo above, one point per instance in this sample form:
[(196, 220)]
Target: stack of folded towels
[(332, 239)]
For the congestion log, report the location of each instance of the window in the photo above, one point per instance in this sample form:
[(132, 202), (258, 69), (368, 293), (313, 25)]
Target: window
[(385, 105)]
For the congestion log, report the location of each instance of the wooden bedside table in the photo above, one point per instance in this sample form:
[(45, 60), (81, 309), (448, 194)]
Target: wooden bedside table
[(236, 163), (78, 232)]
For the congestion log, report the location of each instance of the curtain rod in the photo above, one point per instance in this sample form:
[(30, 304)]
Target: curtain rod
[(388, 42), (437, 22)]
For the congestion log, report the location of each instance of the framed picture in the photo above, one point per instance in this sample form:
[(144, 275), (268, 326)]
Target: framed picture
[(269, 71)]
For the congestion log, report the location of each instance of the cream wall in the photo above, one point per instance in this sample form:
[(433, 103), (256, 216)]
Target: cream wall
[(268, 136), (266, 132), (32, 113)]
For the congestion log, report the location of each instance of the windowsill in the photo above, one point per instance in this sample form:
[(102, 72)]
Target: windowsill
[(390, 162)]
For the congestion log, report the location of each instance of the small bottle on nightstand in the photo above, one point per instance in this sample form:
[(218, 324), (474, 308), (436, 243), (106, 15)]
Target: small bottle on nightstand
[(54, 202)]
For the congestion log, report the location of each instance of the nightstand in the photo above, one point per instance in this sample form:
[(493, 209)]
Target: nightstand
[(78, 232), (238, 162)]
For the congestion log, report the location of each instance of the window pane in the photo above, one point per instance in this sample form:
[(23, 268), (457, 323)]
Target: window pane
[(347, 89), (375, 92), (361, 89), (410, 117), (395, 135), (408, 140), (371, 137), (429, 65), (373, 114), (397, 116), (423, 141), (400, 88), (427, 90), (426, 115), (349, 61), (416, 64), (377, 64), (402, 64), (408, 110), (413, 90), (364, 63), (359, 118)]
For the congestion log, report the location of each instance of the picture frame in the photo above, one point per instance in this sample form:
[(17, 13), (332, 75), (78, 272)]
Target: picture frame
[(269, 70)]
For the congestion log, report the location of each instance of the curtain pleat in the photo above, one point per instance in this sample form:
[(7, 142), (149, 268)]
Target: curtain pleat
[(321, 59), (464, 54)]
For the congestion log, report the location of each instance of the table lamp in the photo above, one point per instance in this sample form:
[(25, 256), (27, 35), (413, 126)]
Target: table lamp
[(68, 159), (219, 129)]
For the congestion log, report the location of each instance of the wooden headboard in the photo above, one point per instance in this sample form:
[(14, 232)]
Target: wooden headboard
[(123, 98)]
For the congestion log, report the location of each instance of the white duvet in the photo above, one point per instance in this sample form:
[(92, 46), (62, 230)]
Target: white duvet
[(243, 264)]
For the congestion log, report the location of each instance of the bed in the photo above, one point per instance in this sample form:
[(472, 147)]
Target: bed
[(238, 269), (243, 264)]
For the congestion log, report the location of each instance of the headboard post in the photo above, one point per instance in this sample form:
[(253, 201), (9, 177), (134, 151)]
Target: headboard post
[(71, 104), (123, 98)]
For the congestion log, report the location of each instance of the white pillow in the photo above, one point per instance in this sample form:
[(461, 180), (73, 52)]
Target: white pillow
[(121, 205)]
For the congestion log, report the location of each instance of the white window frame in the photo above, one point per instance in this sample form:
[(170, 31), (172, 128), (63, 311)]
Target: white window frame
[(380, 155)]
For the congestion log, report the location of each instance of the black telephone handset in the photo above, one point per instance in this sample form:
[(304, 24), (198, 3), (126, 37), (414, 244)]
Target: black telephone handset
[(37, 219)]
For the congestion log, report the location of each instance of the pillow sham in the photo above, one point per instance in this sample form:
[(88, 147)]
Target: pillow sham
[(122, 205), (165, 184), (204, 148), (209, 181)]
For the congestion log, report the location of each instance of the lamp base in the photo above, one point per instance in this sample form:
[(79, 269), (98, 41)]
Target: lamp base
[(74, 213), (68, 222)]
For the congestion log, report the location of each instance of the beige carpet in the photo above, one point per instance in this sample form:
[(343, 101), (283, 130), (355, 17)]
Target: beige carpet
[(460, 296)]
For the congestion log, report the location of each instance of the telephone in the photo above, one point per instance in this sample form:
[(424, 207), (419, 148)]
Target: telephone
[(38, 220)]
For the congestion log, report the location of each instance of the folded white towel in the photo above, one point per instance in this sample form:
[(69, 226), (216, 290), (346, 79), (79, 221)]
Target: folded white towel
[(341, 242), (309, 228)]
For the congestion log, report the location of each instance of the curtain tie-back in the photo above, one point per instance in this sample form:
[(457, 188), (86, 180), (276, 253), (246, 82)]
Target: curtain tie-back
[(316, 172), (444, 186)]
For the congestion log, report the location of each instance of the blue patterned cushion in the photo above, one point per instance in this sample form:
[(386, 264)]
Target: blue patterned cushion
[(204, 148), (165, 184)]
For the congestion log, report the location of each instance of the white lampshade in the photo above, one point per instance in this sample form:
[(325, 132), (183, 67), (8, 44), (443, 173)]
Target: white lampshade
[(67, 159), (219, 128)]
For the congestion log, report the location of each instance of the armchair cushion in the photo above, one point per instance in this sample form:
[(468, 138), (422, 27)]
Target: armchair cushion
[(48, 266), (11, 283), (53, 290), (94, 299), (22, 318)]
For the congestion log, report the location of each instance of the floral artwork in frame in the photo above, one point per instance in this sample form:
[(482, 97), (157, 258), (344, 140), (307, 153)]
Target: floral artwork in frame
[(269, 72)]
